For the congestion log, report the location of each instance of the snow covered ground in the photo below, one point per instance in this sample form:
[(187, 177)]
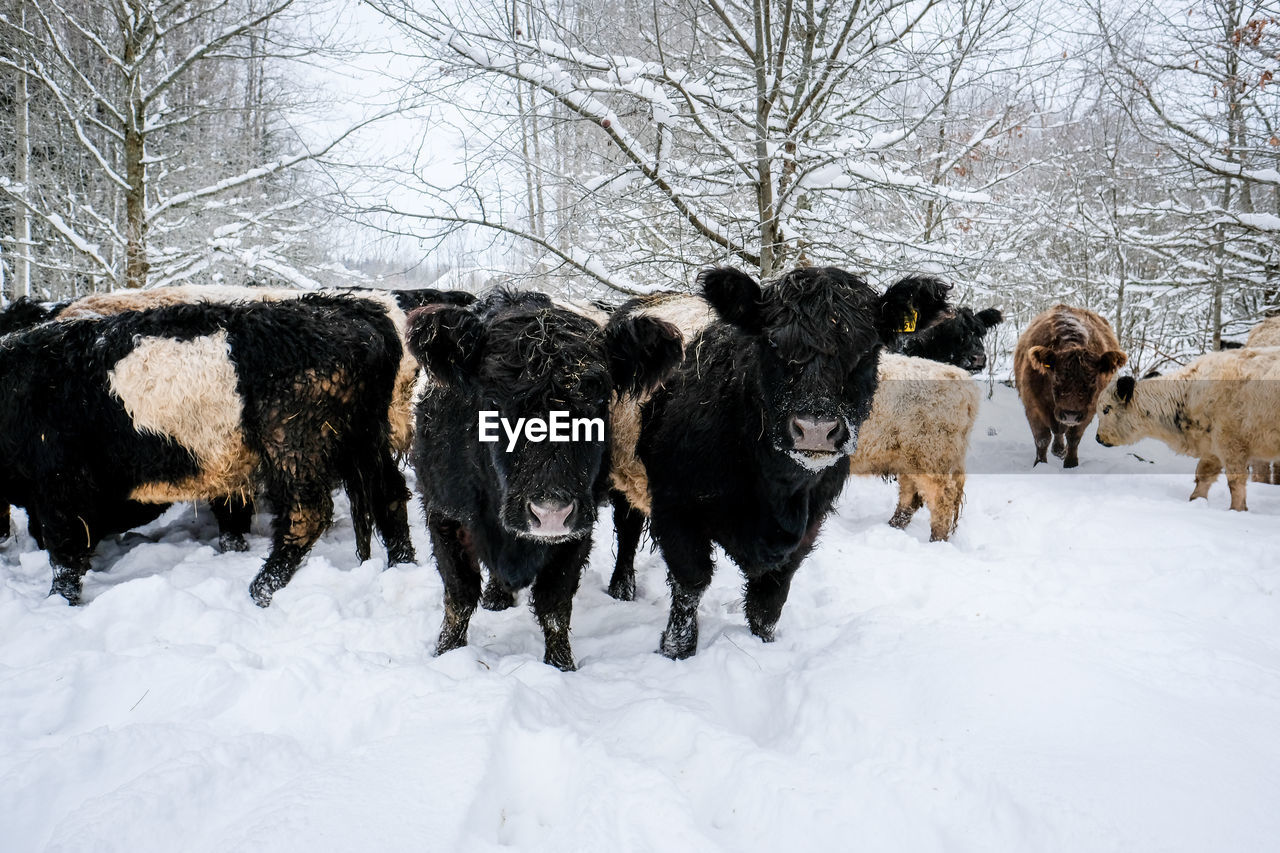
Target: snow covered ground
[(1091, 664)]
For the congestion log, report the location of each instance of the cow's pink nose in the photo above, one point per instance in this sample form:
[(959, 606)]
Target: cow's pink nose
[(551, 518), (813, 434)]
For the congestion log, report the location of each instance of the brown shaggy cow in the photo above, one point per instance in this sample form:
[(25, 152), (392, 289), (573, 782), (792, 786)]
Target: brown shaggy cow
[(1062, 361), (1221, 408), (1265, 334), (918, 431)]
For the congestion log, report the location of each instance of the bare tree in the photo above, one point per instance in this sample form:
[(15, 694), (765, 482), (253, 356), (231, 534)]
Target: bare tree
[(766, 132), (1202, 84), (161, 123)]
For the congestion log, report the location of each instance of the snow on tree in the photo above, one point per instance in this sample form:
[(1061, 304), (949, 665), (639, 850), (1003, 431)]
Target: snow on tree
[(635, 143), (158, 142)]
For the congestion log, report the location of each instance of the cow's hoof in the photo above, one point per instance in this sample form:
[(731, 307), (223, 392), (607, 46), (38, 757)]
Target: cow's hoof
[(561, 658), (1070, 463), (447, 644), (678, 646), (70, 590), (901, 518), (229, 542), (264, 586), (401, 555), (623, 589), (763, 631), (497, 598)]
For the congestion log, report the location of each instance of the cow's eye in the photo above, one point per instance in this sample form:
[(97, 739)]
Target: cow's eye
[(1106, 410)]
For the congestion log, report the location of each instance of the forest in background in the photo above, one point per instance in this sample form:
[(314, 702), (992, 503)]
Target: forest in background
[(1123, 156)]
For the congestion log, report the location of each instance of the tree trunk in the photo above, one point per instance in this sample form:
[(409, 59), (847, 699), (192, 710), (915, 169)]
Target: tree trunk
[(766, 212), (135, 163), (135, 208), (22, 176)]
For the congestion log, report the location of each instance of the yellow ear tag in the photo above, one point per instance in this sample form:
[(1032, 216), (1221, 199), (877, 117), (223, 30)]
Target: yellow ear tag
[(909, 322)]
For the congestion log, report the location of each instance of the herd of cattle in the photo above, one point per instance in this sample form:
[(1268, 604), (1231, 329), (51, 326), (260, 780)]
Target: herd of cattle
[(732, 417)]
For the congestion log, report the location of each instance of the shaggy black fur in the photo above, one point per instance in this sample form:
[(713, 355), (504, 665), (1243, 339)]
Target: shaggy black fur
[(23, 313), (719, 441), (957, 339), (518, 354), (315, 376), (941, 332)]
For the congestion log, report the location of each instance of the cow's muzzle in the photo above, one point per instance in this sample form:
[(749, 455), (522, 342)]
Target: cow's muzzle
[(824, 435), (552, 519)]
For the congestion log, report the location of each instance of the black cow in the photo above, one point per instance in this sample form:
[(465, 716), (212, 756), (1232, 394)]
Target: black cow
[(747, 444), (525, 511), (955, 337), (234, 513), (106, 420)]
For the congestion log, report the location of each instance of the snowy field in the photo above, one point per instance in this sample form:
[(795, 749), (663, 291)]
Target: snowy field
[(1091, 664)]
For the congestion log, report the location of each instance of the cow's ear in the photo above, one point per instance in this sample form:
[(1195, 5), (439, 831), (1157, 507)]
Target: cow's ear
[(990, 317), (1111, 361), (911, 305), (1042, 359), (425, 296), (642, 352), (734, 295), (1151, 374), (448, 341), (1125, 386)]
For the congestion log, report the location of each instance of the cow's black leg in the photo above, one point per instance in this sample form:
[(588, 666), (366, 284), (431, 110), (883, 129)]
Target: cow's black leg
[(391, 511), (767, 591), (450, 542), (34, 530), (235, 515), (496, 596), (359, 472), (70, 538), (68, 571), (301, 516), (5, 523), (361, 523), (689, 568), (1074, 433), (553, 592), (628, 523), (765, 596)]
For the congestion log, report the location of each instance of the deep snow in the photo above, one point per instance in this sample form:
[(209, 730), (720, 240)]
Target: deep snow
[(1092, 663)]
